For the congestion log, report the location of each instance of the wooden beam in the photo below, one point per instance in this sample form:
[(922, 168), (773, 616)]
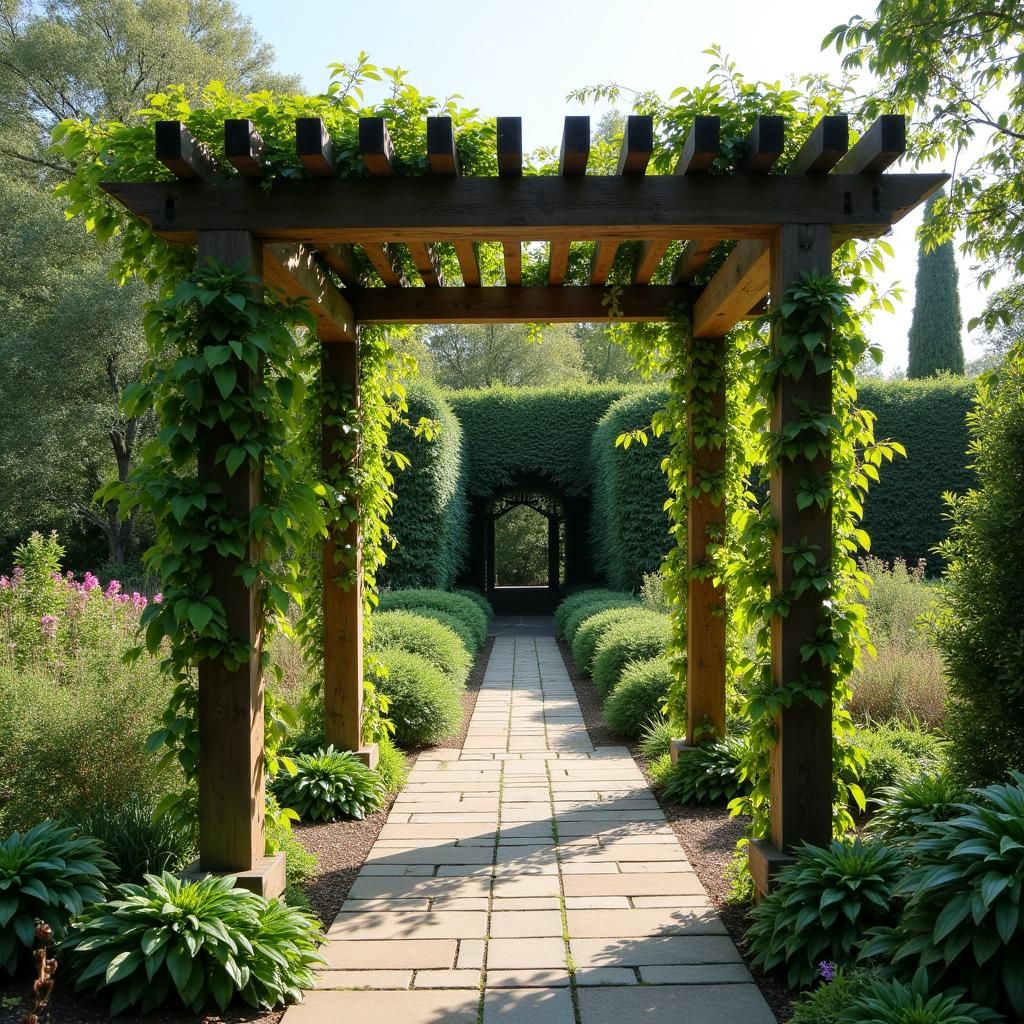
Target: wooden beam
[(182, 153), (293, 270), (634, 156), (342, 260), (539, 304), (342, 572), (441, 153), (243, 147), (428, 263), (510, 147), (575, 150), (878, 148), (313, 144), (734, 290), (702, 146), (825, 146), (765, 144), (535, 208), (693, 257), (387, 263), (375, 146)]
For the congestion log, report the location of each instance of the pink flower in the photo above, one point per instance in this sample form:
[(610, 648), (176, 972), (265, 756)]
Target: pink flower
[(158, 599), (89, 582), (123, 598), (5, 583), (18, 576), (113, 589), (138, 600), (48, 623)]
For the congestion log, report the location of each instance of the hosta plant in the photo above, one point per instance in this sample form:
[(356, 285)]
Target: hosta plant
[(49, 874), (330, 784), (962, 923), (905, 811), (822, 907), (707, 774), (200, 943), (892, 1002)]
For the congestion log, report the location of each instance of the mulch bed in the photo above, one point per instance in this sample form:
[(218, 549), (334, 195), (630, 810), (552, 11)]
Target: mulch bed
[(708, 836), (341, 846)]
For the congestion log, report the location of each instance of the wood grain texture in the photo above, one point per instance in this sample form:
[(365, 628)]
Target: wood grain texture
[(575, 149), (702, 146), (441, 154), (384, 258), (244, 147), (512, 255), (732, 293), (692, 259), (182, 153), (827, 144), (637, 144), (509, 142), (878, 148), (342, 260), (294, 271), (765, 143), (375, 146), (313, 145)]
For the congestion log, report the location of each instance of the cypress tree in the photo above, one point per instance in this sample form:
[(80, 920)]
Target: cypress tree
[(935, 328)]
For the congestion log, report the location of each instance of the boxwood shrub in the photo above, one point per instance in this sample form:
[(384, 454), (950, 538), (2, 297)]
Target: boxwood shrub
[(425, 705), (582, 612), (574, 601), (587, 635), (459, 605), (417, 634), (639, 637), (639, 696), (458, 626)]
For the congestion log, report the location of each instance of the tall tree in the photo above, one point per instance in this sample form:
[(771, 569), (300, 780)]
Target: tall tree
[(935, 344)]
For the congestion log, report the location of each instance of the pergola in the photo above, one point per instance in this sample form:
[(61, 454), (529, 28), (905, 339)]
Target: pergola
[(301, 236)]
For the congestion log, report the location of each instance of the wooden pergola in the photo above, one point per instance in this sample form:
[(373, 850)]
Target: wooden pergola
[(302, 237)]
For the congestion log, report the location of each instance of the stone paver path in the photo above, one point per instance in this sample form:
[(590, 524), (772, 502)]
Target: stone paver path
[(529, 879)]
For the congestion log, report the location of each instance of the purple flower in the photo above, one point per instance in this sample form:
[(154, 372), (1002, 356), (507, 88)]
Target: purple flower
[(5, 583), (48, 623), (138, 600), (89, 582), (827, 970), (158, 599), (113, 589)]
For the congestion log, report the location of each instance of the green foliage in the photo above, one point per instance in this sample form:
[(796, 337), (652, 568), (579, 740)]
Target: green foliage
[(935, 345), (138, 841), (466, 634), (199, 943), (430, 522), (392, 767), (594, 621), (330, 784), (708, 773), (908, 809), (893, 754), (629, 534), (962, 921), (49, 874), (521, 548), (980, 631), (822, 906), (638, 638), (458, 605), (639, 696), (479, 600), (824, 1004), (426, 706), (892, 1002), (656, 737), (417, 634), (300, 864), (904, 514), (581, 597)]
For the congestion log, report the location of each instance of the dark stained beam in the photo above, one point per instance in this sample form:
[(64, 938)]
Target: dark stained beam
[(575, 149), (182, 153), (737, 287), (510, 146), (293, 270), (375, 146), (693, 257), (385, 260), (878, 148), (313, 145), (342, 260), (444, 163), (514, 305), (536, 208), (765, 143), (243, 147), (825, 146), (702, 146)]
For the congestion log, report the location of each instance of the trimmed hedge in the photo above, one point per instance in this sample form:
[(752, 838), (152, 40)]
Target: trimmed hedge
[(458, 626), (459, 605), (425, 704), (628, 528), (575, 601), (594, 626), (638, 697), (431, 517), (417, 634), (638, 638)]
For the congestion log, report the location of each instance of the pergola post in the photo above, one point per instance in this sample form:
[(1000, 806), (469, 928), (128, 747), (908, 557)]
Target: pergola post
[(342, 579), (801, 764), (231, 768)]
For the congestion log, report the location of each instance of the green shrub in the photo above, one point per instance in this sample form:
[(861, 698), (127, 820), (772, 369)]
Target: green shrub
[(661, 769), (639, 696), (824, 1004), (330, 784), (202, 942), (431, 515), (300, 864), (656, 737), (641, 636), (430, 639), (906, 810), (478, 599), (137, 840), (584, 611), (47, 874), (458, 605), (573, 601), (589, 623), (392, 767), (892, 1002), (653, 595), (455, 624), (425, 706), (893, 754), (707, 774), (822, 907), (962, 922), (628, 529)]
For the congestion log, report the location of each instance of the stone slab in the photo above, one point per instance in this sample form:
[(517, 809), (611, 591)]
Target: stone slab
[(423, 1007), (385, 954), (715, 1004)]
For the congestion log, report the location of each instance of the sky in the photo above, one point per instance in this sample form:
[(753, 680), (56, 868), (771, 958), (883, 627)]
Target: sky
[(523, 59)]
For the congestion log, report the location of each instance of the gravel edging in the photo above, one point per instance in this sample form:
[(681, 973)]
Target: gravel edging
[(708, 836)]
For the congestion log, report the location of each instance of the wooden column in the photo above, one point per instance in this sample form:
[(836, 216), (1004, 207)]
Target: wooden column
[(231, 767), (801, 767), (343, 604), (705, 602)]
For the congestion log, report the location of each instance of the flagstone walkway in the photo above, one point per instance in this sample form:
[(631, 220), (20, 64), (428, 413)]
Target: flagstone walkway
[(528, 878)]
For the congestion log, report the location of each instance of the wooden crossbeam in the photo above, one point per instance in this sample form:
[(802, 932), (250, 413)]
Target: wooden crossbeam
[(313, 145), (444, 163), (738, 285), (825, 146), (375, 146), (386, 261), (765, 143), (244, 147), (428, 263), (878, 148), (536, 208), (182, 153), (575, 150), (534, 304), (634, 156), (694, 255), (510, 165), (293, 269), (342, 260)]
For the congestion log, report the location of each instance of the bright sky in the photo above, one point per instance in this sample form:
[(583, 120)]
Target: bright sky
[(524, 58)]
